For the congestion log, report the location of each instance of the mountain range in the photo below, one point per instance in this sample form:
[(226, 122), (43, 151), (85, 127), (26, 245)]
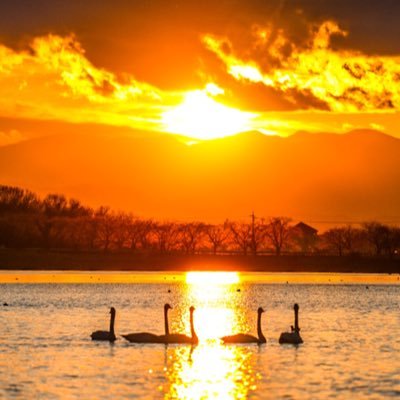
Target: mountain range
[(320, 178)]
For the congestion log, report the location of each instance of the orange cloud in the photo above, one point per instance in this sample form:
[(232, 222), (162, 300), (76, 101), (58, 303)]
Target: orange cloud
[(53, 79), (342, 80), (10, 137)]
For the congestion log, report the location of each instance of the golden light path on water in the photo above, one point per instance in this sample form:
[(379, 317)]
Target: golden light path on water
[(212, 292), (212, 370)]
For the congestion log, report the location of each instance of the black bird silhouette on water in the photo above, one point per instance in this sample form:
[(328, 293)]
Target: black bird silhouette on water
[(148, 337), (292, 337), (106, 335), (167, 338), (178, 338), (245, 338)]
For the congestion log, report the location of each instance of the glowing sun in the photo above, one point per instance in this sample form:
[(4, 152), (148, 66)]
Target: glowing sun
[(201, 117)]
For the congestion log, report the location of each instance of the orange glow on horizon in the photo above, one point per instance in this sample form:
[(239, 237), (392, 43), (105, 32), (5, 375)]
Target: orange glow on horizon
[(53, 79), (212, 278), (197, 279)]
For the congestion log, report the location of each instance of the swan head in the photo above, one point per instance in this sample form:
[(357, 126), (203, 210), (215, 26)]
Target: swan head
[(296, 307), (191, 309), (112, 311), (260, 310), (167, 307)]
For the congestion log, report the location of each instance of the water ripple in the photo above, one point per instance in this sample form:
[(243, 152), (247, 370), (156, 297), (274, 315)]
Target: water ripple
[(351, 347)]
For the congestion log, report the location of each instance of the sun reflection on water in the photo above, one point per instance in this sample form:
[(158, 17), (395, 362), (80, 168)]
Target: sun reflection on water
[(212, 294), (211, 370)]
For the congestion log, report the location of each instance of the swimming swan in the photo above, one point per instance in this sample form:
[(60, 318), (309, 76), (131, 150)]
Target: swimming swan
[(292, 337), (146, 337), (244, 338), (106, 335), (178, 338)]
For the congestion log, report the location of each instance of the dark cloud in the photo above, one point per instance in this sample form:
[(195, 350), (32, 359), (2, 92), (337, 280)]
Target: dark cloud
[(159, 41), (257, 97), (373, 25), (139, 36)]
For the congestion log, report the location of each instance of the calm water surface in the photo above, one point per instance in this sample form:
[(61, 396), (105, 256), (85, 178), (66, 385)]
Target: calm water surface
[(351, 340)]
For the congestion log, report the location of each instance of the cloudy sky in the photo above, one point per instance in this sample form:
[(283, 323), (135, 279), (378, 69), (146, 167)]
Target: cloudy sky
[(204, 69)]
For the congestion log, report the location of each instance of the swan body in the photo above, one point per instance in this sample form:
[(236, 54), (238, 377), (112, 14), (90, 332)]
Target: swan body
[(108, 336), (178, 338), (142, 337), (245, 338), (147, 337), (240, 338), (103, 335), (292, 337), (175, 338)]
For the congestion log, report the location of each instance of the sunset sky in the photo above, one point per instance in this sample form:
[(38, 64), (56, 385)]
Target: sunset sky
[(203, 69), (91, 91)]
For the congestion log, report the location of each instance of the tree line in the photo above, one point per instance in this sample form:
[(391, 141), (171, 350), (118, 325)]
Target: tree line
[(28, 221)]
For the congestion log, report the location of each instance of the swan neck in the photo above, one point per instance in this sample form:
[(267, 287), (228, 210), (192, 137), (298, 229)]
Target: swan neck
[(261, 337), (296, 320), (192, 331), (112, 319), (166, 325)]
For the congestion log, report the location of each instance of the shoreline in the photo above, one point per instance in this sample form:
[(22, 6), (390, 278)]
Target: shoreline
[(58, 260), (214, 278)]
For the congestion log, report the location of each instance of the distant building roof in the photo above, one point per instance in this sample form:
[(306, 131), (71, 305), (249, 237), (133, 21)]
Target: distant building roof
[(306, 229)]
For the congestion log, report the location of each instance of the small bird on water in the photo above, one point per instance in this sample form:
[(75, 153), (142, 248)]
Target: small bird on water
[(108, 336), (292, 337)]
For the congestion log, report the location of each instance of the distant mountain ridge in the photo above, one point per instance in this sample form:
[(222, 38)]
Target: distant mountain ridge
[(306, 176)]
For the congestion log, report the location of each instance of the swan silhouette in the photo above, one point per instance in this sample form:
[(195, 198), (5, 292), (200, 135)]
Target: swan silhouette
[(292, 337), (178, 338), (147, 337), (244, 338), (106, 335)]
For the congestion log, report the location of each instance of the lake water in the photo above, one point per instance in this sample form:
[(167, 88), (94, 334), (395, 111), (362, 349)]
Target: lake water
[(351, 335)]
